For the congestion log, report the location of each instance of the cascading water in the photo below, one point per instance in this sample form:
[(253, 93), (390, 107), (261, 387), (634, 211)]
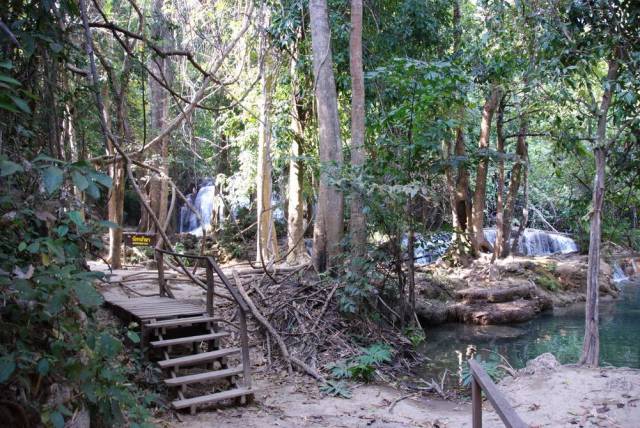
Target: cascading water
[(535, 242), (427, 249), (618, 273), (208, 203)]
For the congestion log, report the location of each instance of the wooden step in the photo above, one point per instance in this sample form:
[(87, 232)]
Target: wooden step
[(203, 357), (188, 339), (203, 377), (211, 398), (179, 322)]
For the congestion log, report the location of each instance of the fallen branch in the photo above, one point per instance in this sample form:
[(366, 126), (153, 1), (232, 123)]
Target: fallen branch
[(290, 359), (324, 307)]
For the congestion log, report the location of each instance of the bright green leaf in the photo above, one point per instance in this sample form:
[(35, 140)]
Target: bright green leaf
[(8, 79), (52, 178), (79, 180), (93, 191), (9, 168), (109, 224), (101, 179), (20, 103), (135, 338), (62, 230), (87, 294), (76, 217)]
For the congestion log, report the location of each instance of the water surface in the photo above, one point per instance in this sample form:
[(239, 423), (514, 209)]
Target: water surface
[(560, 332)]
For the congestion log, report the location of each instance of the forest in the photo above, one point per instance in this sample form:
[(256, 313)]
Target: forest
[(356, 198)]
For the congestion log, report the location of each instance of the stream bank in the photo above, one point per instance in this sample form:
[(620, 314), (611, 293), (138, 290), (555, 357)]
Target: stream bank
[(508, 291)]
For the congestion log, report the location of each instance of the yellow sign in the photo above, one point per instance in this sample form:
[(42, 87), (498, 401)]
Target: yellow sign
[(139, 239)]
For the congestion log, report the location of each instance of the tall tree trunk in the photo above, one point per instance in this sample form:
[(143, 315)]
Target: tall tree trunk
[(591, 346), (357, 223), (479, 196), (411, 265), (451, 184), (514, 187), (461, 209), (464, 203), (295, 220), (328, 229), (267, 245), (115, 203), (158, 186), (500, 242)]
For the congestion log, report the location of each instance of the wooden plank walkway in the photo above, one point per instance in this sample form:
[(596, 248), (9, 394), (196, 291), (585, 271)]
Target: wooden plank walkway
[(155, 307)]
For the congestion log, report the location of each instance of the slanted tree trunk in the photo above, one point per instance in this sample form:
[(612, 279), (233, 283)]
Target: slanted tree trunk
[(295, 220), (479, 242), (328, 228), (267, 245), (158, 186), (357, 223), (514, 187), (591, 346), (525, 209)]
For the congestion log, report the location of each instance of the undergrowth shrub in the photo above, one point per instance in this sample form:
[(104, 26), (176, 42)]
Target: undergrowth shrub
[(362, 366), (55, 357)]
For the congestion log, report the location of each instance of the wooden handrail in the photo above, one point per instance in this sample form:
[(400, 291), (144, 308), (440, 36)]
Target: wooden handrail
[(212, 267), (216, 268), (480, 381)]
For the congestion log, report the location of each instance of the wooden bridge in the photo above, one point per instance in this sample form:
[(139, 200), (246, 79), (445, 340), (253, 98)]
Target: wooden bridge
[(187, 342)]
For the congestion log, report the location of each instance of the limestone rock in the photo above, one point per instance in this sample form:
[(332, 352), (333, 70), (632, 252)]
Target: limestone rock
[(431, 312), (542, 364)]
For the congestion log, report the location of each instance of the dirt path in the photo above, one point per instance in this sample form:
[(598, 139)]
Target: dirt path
[(295, 404), (544, 395)]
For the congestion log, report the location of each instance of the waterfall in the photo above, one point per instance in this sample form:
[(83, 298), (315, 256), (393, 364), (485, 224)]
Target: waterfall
[(428, 249), (618, 273), (207, 203), (535, 242)]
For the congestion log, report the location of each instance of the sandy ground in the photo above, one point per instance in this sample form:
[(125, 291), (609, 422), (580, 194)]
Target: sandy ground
[(561, 396)]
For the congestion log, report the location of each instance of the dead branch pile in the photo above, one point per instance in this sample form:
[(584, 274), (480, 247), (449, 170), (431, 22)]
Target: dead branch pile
[(298, 324)]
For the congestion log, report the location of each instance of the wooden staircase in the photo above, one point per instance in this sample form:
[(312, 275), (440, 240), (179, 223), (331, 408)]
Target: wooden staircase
[(191, 353)]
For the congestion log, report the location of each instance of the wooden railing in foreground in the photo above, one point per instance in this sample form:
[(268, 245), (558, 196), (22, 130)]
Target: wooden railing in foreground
[(211, 268), (480, 381)]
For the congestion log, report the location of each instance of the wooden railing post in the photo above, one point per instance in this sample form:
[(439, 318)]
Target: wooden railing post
[(476, 404), (482, 382), (210, 285), (244, 344), (161, 281)]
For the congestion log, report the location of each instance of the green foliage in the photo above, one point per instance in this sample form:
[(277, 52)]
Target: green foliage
[(416, 335), (545, 278), (336, 389), (49, 334), (362, 366), (12, 96), (358, 288)]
